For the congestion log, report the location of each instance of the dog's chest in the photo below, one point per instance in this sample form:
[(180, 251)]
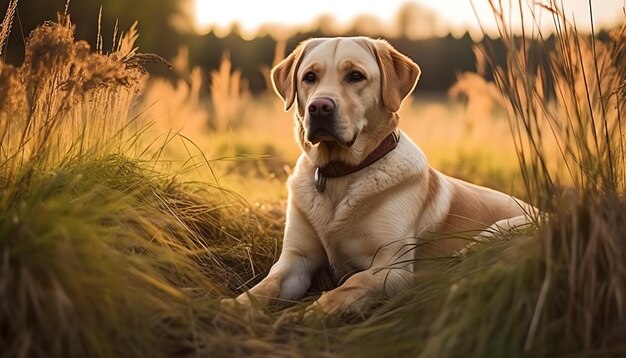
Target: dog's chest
[(333, 209), (348, 239), (345, 220)]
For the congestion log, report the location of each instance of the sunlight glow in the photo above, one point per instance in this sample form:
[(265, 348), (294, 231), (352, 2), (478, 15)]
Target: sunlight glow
[(251, 14), (455, 16)]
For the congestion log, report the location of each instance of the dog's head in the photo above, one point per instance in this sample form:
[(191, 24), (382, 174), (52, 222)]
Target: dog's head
[(346, 91)]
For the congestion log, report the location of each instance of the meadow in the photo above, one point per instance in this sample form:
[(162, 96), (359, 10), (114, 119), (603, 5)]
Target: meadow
[(129, 205)]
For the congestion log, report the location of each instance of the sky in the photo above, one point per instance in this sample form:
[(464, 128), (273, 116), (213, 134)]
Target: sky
[(455, 16)]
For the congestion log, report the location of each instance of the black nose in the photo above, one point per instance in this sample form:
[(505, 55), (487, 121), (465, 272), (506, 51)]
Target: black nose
[(322, 107)]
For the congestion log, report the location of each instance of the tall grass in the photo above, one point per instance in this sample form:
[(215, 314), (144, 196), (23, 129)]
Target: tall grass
[(100, 254), (565, 98), (564, 94), (229, 93)]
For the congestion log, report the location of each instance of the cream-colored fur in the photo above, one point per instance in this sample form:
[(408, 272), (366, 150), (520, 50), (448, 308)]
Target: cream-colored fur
[(365, 226)]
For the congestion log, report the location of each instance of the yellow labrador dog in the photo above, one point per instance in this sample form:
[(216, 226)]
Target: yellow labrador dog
[(363, 200)]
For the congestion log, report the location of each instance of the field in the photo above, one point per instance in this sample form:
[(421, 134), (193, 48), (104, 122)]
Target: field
[(129, 205)]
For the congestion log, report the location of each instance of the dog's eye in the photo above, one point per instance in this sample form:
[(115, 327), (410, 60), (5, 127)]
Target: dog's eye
[(355, 76), (310, 77)]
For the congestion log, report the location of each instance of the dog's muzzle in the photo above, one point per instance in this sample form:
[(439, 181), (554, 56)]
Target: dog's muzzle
[(322, 113)]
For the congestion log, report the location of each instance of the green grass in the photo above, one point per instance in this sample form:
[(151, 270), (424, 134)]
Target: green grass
[(105, 250), (101, 253)]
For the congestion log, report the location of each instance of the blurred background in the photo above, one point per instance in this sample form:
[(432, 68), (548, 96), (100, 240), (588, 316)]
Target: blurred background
[(438, 35), (218, 93)]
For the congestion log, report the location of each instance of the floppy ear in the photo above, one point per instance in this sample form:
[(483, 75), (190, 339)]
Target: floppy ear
[(284, 76), (399, 74)]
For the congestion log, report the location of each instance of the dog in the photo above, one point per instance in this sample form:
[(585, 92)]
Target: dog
[(363, 200)]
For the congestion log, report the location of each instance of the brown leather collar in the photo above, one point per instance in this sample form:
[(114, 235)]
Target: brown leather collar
[(336, 169)]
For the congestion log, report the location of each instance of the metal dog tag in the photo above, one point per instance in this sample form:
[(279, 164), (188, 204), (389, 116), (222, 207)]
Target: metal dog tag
[(320, 180)]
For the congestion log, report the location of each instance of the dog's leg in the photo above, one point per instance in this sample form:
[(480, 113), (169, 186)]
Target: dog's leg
[(504, 226), (390, 273), (500, 229), (361, 287), (290, 276)]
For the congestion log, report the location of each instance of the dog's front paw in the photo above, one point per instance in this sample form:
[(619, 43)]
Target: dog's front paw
[(242, 306), (243, 300), (314, 315), (336, 305), (324, 307), (332, 302), (229, 303)]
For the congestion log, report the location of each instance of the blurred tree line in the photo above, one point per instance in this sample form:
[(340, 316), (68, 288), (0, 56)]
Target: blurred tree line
[(157, 19), (165, 25), (440, 58)]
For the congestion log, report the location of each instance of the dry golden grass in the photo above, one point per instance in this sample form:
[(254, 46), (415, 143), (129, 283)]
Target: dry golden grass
[(571, 135), (59, 85)]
